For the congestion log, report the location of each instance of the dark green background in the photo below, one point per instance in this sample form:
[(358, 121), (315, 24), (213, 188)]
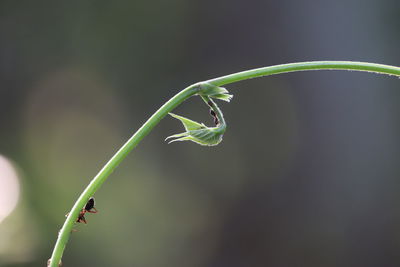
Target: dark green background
[(307, 174)]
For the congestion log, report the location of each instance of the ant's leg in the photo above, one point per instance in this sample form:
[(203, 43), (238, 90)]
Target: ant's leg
[(93, 210), (81, 218)]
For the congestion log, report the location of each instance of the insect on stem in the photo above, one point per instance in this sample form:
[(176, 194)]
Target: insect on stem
[(89, 207)]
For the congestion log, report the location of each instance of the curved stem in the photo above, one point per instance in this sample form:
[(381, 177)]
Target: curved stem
[(303, 66), (103, 174)]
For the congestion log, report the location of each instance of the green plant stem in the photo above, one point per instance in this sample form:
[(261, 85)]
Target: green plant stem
[(303, 66), (100, 178)]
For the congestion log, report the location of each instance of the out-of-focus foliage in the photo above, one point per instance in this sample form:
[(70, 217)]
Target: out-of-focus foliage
[(315, 184)]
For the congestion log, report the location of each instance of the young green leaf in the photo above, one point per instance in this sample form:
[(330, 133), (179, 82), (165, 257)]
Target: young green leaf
[(198, 132)]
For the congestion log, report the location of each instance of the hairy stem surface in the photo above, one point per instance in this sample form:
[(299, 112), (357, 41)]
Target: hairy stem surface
[(104, 173)]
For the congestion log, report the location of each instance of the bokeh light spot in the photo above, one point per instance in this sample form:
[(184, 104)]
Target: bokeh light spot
[(9, 188)]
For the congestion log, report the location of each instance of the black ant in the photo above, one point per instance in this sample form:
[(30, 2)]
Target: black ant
[(89, 207), (212, 113)]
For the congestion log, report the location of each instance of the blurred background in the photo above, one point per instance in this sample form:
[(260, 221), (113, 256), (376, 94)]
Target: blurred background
[(307, 174)]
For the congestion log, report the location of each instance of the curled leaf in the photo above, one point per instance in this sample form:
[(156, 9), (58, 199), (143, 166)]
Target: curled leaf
[(214, 91), (198, 132)]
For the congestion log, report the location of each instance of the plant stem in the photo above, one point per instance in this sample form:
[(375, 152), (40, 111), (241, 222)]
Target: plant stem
[(303, 66), (103, 174), (99, 179)]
